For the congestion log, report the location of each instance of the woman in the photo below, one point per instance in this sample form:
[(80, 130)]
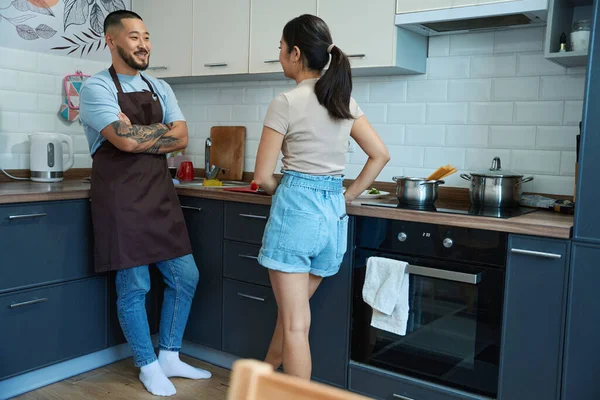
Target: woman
[(305, 237)]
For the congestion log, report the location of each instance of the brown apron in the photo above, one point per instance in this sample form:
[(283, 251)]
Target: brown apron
[(136, 214)]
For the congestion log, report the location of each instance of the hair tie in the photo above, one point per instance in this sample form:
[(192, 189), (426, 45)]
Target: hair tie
[(331, 46)]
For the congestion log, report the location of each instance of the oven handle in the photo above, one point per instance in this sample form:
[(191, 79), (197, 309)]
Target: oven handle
[(454, 276)]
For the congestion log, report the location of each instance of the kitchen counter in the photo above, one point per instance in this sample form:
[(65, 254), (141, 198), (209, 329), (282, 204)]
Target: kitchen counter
[(539, 223)]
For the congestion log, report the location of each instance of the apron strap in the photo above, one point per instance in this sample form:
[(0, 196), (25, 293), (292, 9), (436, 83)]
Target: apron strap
[(148, 83), (115, 79)]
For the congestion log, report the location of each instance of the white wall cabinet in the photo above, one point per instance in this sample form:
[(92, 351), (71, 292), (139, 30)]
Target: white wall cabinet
[(267, 19), (409, 6), (221, 41), (170, 27)]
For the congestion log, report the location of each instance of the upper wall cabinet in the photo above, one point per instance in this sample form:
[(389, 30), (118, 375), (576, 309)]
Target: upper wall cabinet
[(408, 6), (267, 19), (221, 40), (170, 26), (365, 31)]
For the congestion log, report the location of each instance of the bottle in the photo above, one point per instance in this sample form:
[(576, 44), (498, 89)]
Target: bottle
[(563, 43)]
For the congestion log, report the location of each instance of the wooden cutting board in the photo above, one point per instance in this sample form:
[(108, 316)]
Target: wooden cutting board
[(227, 151)]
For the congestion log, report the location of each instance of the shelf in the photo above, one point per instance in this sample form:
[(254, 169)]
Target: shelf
[(561, 15), (569, 59)]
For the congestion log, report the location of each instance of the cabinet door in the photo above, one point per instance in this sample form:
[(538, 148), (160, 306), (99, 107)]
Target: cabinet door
[(532, 334), (204, 219), (581, 367), (268, 17), (409, 6), (363, 30), (221, 37), (170, 26)]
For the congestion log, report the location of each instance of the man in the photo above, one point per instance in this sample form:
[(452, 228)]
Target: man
[(131, 120)]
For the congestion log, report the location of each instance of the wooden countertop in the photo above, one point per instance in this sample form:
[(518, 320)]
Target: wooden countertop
[(540, 223)]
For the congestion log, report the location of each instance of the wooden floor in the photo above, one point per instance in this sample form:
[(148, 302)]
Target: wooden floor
[(120, 381)]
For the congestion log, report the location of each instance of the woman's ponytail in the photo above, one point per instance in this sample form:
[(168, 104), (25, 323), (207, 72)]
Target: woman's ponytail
[(334, 88)]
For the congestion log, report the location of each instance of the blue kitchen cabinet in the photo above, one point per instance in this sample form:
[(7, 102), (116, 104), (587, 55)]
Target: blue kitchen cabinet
[(534, 315)]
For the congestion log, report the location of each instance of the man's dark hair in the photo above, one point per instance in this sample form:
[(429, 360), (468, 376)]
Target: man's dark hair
[(115, 18)]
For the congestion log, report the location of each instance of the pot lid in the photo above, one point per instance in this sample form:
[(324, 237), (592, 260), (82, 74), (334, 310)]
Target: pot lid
[(496, 170)]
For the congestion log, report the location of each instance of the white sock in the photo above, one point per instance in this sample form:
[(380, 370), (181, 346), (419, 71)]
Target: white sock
[(155, 380), (173, 366)]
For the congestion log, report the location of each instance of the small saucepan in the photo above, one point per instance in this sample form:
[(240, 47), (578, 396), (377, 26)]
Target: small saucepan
[(418, 192)]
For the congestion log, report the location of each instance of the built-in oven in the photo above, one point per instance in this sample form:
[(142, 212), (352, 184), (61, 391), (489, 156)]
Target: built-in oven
[(456, 289)]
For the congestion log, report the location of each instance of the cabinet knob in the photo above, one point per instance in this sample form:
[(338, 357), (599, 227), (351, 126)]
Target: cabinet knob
[(448, 243), (402, 237)]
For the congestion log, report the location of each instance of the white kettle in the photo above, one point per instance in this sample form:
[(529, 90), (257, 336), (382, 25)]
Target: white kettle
[(47, 156)]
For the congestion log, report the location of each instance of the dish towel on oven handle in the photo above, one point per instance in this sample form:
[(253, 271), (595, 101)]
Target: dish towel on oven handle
[(386, 291)]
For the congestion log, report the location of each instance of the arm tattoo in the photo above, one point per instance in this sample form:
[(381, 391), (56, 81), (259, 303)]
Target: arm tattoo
[(139, 133), (168, 141)]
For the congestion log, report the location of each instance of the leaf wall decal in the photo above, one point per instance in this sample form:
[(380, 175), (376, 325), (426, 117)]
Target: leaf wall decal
[(76, 12), (97, 19), (44, 31), (113, 5), (27, 32), (38, 6), (21, 18)]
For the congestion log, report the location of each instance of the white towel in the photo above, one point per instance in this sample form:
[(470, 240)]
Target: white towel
[(386, 291)]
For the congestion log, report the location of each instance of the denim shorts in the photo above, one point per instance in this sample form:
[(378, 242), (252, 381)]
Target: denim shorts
[(307, 230)]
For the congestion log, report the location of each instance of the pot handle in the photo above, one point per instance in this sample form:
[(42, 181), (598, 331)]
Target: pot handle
[(397, 178), (466, 177), (524, 180), (434, 182)]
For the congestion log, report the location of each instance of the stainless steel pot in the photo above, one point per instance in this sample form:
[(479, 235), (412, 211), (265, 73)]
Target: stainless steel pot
[(495, 188), (416, 191)]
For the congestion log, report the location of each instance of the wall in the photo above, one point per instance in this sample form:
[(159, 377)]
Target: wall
[(484, 95)]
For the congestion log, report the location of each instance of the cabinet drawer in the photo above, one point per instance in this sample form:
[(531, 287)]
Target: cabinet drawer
[(249, 317), (52, 324), (245, 222), (45, 242), (379, 385), (240, 262)]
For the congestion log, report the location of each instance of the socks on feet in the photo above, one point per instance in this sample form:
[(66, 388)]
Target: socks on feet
[(155, 380), (173, 366)]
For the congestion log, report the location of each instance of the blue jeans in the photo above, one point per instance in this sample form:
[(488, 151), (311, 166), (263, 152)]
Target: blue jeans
[(181, 276)]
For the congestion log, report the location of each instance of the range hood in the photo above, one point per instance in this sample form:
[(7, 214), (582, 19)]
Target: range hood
[(503, 14)]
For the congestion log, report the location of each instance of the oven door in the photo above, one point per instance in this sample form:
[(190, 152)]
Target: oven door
[(454, 324)]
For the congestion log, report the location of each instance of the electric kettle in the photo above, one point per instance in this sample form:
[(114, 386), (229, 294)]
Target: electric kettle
[(47, 156)]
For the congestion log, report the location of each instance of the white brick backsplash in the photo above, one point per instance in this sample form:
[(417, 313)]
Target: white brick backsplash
[(17, 101), (466, 136), (82, 161), (202, 129), (556, 137), (196, 147), (194, 113), (406, 156), (231, 96), (427, 91), (439, 46), (534, 64), (17, 59), (573, 112), (55, 65), (375, 112), (25, 161), (516, 88), (388, 92), (448, 67), (17, 143), (48, 103), (360, 91), (480, 159), (469, 90), (9, 161), (472, 43), (569, 87), (567, 163), (8, 79), (36, 83), (80, 145), (437, 156), (418, 172), (244, 113), (512, 137), (390, 133), (184, 96), (67, 127), (516, 40), (9, 121), (206, 96), (577, 71), (425, 135), (219, 113), (358, 157), (252, 146), (258, 95), (553, 184), (388, 173), (447, 113), (490, 113), (539, 113), (254, 131), (37, 122), (413, 113), (536, 162), (493, 66)]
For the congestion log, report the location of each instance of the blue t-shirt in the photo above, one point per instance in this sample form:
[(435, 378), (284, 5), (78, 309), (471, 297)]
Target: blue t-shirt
[(99, 105)]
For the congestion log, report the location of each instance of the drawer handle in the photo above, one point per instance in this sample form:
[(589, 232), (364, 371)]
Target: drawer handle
[(253, 216), (397, 396), (158, 67), (248, 257), (28, 303), (247, 296), (27, 216), (271, 61), (536, 253), (218, 64), (361, 55), (191, 208)]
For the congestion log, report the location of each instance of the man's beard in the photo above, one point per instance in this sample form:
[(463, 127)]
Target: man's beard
[(129, 60)]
